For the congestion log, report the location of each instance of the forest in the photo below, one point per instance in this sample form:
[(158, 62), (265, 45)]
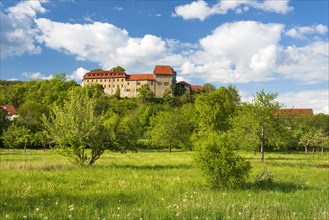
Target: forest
[(176, 121)]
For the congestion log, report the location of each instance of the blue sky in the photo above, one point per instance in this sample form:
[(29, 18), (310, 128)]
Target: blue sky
[(276, 45)]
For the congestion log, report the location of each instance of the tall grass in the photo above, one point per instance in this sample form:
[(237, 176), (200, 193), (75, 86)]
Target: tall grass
[(157, 185)]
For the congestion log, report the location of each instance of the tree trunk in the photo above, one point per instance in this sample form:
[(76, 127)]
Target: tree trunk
[(262, 145), (313, 152), (306, 151), (170, 148), (322, 149), (25, 146)]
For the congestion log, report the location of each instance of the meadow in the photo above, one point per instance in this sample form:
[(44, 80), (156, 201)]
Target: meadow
[(158, 185)]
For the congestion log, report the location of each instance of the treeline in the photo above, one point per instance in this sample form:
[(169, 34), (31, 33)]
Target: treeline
[(178, 120)]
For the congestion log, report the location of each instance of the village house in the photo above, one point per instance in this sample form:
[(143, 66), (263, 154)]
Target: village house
[(162, 79), (9, 111), (295, 112)]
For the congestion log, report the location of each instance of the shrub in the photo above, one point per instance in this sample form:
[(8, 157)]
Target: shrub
[(222, 167)]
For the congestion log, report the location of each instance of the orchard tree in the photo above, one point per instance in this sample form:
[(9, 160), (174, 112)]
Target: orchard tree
[(313, 138), (121, 132), (75, 127), (215, 108), (258, 121), (16, 136), (171, 129), (222, 167)]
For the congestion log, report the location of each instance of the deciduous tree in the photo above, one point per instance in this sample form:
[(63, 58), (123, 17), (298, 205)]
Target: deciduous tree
[(76, 127), (171, 129), (257, 121)]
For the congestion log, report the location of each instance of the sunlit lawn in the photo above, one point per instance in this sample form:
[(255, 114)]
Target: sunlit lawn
[(157, 185)]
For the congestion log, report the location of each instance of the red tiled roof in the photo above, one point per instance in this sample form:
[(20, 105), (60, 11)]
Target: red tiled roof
[(135, 77), (196, 88), (295, 112), (163, 70), (104, 74), (10, 109)]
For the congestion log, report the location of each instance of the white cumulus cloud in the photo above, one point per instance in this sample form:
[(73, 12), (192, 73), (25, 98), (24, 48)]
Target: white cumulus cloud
[(236, 52), (315, 99), (249, 51), (17, 29), (304, 31), (102, 43), (201, 10), (78, 74)]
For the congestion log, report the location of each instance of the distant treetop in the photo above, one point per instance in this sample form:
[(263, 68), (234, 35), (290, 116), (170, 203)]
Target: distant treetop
[(118, 68), (95, 70)]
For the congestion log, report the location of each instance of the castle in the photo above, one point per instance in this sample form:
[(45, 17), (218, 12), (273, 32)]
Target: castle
[(162, 79)]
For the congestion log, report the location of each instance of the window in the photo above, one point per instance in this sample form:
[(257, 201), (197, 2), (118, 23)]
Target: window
[(92, 80), (128, 83), (87, 80), (159, 83), (104, 86), (152, 83), (104, 80), (121, 85), (96, 80), (100, 80), (117, 80), (138, 83), (166, 84), (121, 80)]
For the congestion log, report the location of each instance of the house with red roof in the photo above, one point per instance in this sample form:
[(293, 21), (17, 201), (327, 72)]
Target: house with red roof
[(9, 111), (196, 88), (162, 78), (295, 112)]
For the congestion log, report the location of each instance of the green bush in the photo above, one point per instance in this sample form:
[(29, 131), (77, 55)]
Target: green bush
[(222, 167)]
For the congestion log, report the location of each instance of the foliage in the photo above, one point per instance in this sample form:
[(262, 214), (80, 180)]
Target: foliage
[(76, 127), (4, 123), (145, 94), (96, 70), (30, 115), (121, 132), (256, 122), (215, 108), (208, 88), (313, 138), (221, 166), (16, 136), (170, 129), (118, 68)]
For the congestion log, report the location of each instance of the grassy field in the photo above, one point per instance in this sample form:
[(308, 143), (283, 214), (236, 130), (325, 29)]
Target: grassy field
[(157, 185)]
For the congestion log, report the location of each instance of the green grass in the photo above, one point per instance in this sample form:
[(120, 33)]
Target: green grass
[(157, 185)]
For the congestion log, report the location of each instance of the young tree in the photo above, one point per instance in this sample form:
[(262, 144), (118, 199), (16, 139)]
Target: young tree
[(257, 121), (16, 136), (313, 138), (221, 166), (76, 127), (215, 108), (170, 128)]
